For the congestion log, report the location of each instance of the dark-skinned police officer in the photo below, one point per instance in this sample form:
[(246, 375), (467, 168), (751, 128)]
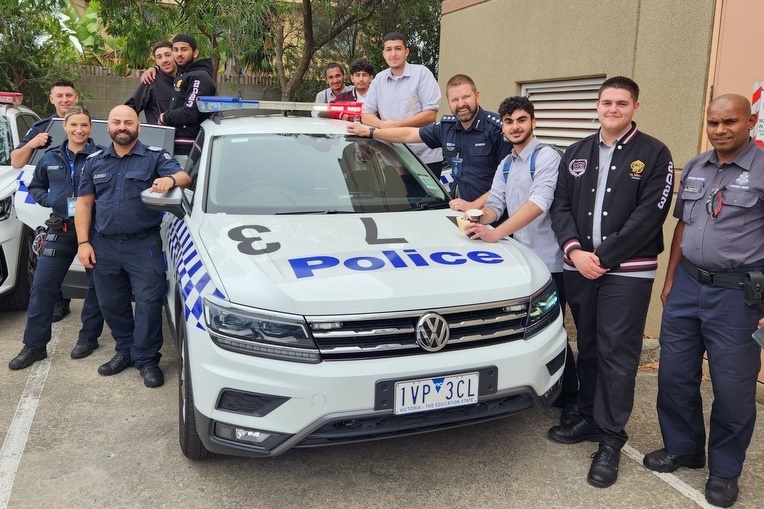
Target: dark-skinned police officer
[(125, 251), (54, 185), (712, 303)]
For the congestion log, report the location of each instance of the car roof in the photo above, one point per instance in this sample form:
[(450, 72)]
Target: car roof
[(272, 124), (5, 109)]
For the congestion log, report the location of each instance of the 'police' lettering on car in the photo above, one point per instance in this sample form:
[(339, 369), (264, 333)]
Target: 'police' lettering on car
[(311, 266)]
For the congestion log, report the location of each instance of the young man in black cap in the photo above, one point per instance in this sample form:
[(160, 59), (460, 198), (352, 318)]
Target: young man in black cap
[(194, 79)]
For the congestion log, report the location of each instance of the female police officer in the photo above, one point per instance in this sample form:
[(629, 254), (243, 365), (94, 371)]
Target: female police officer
[(54, 184)]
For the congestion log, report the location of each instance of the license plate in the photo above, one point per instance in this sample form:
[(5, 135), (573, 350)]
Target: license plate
[(435, 393)]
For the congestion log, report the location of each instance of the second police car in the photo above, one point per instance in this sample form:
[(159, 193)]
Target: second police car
[(321, 292)]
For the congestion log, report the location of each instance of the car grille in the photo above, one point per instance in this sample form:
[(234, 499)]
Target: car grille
[(394, 334)]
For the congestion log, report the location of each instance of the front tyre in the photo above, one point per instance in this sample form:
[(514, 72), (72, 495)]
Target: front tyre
[(190, 443)]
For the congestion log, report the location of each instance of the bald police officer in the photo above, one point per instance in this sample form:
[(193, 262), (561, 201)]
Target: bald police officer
[(126, 251), (717, 241)]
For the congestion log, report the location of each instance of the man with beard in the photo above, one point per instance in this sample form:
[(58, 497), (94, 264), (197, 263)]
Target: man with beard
[(471, 138), (523, 187), (335, 78), (125, 252), (154, 98), (194, 79)]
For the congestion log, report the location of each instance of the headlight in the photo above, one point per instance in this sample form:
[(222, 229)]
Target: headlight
[(6, 205), (261, 333), (543, 310)]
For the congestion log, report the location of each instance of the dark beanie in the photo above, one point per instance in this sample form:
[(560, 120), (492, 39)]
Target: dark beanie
[(185, 38)]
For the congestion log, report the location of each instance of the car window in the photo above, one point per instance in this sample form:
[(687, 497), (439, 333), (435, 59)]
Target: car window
[(313, 173), (158, 136), (23, 122), (6, 142)]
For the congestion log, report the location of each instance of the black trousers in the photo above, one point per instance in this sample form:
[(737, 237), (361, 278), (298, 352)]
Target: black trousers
[(610, 314)]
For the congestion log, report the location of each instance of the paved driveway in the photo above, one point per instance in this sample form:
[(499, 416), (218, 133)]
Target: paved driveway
[(75, 439)]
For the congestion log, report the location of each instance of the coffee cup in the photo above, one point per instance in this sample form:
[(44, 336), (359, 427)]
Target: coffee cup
[(474, 215)]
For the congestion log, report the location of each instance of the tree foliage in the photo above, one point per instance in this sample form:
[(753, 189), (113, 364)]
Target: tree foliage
[(35, 50)]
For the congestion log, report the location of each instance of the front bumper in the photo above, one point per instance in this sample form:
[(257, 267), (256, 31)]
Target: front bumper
[(304, 405)]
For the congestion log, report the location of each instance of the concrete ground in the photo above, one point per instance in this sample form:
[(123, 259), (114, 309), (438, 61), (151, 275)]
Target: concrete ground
[(72, 438)]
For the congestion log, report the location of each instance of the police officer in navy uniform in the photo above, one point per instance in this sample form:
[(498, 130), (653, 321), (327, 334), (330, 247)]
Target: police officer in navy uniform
[(125, 251), (54, 185), (63, 96), (471, 139), (711, 304)]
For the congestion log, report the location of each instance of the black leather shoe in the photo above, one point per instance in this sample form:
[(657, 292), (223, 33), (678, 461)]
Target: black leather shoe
[(116, 365), (574, 433), (662, 461), (152, 376), (721, 491), (604, 469), (60, 311), (26, 357), (84, 348), (569, 414)]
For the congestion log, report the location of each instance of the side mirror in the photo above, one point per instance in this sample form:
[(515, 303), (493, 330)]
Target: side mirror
[(171, 201)]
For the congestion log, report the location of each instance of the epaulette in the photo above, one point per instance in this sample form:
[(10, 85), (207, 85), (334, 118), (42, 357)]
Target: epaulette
[(493, 119), (448, 118), (94, 154), (154, 148)]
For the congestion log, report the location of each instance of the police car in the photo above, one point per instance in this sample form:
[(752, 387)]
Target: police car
[(320, 292), (16, 264)]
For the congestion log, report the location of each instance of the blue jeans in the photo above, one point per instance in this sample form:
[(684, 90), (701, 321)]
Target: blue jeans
[(132, 267), (58, 251)]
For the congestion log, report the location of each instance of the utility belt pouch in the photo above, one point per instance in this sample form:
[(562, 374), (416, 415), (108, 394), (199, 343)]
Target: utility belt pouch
[(55, 222), (50, 237), (753, 289), (48, 252)]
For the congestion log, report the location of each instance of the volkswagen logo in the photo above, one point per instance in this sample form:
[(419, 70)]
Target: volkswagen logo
[(432, 332)]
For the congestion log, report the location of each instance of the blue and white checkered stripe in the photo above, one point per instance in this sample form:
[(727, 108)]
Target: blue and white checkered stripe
[(194, 280), (446, 179), (22, 193)]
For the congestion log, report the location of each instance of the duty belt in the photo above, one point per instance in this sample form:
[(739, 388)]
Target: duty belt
[(131, 236), (733, 280)]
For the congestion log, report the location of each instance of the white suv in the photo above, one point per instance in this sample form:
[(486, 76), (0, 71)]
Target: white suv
[(16, 264), (321, 292)]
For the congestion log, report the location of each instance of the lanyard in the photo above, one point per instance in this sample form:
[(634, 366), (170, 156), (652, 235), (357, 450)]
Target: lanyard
[(71, 172)]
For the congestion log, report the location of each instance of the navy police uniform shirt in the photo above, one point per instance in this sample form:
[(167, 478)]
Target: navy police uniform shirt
[(117, 184), (481, 148), (38, 127), (57, 176)]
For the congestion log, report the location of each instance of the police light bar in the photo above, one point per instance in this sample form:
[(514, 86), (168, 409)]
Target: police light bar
[(11, 98), (213, 104)]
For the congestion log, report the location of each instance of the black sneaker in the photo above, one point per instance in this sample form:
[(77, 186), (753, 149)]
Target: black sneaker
[(60, 311), (27, 357), (84, 348)]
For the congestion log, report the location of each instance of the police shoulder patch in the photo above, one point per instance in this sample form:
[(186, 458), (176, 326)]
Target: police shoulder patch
[(493, 119)]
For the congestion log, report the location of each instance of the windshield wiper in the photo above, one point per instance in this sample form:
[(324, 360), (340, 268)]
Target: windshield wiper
[(326, 211), (428, 206)]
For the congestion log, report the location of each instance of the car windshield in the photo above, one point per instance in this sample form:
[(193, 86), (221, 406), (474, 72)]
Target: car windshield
[(316, 173)]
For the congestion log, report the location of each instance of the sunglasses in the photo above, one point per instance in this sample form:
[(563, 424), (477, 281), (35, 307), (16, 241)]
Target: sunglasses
[(714, 203)]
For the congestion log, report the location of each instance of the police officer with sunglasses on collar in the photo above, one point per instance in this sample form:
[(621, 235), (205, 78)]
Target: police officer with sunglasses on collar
[(712, 303)]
